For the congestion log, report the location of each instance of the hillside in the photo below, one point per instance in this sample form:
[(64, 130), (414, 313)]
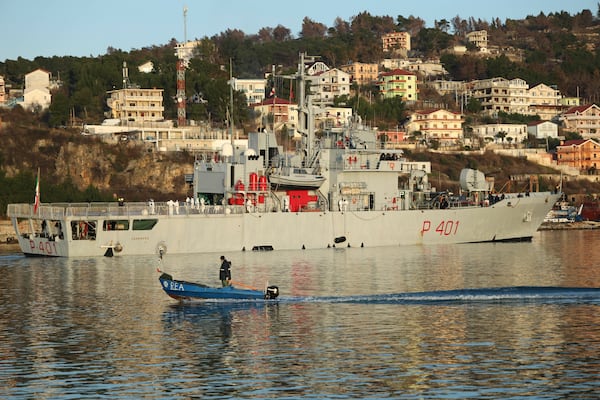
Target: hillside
[(75, 168), (556, 49)]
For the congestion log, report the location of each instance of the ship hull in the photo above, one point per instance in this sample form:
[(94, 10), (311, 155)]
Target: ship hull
[(508, 220)]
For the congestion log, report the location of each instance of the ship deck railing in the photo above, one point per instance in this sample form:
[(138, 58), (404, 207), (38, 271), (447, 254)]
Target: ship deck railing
[(58, 211)]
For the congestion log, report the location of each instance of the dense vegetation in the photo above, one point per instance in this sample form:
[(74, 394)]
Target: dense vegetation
[(556, 49)]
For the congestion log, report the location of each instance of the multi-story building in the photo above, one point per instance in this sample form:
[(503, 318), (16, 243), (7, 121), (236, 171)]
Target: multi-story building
[(254, 89), (583, 154), (392, 139), (361, 73), (329, 84), (136, 105), (479, 39), (431, 67), (398, 83), (333, 118), (427, 68), (584, 120), (544, 101), (499, 94), (501, 133), (2, 91), (395, 41), (440, 124), (277, 113), (187, 50), (444, 87), (544, 94), (37, 90)]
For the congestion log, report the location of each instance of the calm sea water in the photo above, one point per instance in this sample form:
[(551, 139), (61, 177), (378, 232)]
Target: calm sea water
[(510, 320)]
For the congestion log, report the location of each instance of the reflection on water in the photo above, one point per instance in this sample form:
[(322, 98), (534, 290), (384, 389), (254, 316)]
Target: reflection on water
[(103, 326)]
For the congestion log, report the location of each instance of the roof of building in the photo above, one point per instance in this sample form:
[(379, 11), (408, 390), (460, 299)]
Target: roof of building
[(579, 109), (540, 122), (577, 142), (432, 110), (271, 101), (397, 72)]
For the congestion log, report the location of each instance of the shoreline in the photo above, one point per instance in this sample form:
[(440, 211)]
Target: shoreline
[(569, 226), (6, 233)]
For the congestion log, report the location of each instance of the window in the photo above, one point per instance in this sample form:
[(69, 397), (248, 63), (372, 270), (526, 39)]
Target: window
[(116, 225), (83, 230), (144, 224)]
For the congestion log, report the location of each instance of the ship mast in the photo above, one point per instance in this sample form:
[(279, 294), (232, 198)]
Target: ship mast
[(306, 123), (230, 101)]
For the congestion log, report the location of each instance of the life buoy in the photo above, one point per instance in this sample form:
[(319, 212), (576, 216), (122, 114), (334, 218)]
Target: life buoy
[(392, 165), (354, 200)]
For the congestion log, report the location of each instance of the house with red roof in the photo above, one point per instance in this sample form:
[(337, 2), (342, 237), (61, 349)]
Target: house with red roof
[(583, 154), (398, 83), (584, 120)]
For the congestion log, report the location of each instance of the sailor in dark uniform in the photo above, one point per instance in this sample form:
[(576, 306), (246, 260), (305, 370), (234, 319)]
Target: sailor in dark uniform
[(225, 272)]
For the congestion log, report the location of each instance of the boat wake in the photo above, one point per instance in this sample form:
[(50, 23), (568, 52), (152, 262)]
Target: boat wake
[(500, 295), (515, 294)]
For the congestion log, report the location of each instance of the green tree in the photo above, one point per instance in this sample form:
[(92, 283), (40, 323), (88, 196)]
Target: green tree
[(474, 105), (59, 109)]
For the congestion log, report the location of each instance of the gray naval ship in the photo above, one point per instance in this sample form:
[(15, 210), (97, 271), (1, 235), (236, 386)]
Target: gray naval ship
[(342, 188)]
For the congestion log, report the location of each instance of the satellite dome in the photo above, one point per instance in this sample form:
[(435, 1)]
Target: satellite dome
[(227, 150), (473, 180)]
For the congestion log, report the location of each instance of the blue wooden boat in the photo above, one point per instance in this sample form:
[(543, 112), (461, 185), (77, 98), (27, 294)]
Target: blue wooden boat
[(185, 291)]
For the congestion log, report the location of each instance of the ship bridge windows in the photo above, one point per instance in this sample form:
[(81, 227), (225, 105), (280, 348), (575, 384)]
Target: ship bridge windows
[(144, 224), (83, 230), (115, 225)]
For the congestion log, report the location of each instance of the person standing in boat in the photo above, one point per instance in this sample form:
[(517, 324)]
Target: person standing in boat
[(225, 272)]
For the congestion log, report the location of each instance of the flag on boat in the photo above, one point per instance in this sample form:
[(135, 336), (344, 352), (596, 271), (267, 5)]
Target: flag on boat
[(36, 202)]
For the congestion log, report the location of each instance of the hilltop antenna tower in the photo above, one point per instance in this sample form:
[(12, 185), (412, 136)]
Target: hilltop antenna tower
[(181, 98), (185, 9)]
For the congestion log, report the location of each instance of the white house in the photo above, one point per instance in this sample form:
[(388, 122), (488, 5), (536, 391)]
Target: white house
[(330, 84), (253, 89), (146, 67), (502, 133), (543, 129), (37, 90)]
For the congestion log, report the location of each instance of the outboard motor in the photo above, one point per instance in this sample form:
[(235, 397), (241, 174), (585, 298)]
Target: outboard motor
[(271, 293)]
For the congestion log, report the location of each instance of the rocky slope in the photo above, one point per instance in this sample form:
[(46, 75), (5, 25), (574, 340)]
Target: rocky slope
[(123, 168)]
